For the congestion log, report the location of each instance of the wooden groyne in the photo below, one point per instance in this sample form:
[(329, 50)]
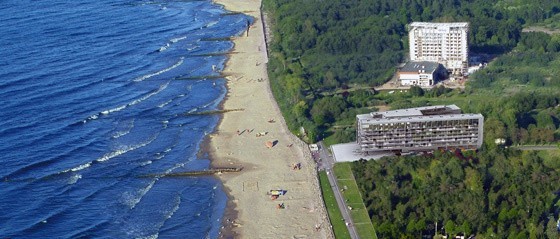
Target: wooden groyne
[(196, 173)]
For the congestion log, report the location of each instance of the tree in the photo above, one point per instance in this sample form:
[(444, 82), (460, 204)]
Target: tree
[(551, 229), (450, 227), (493, 129), (416, 91), (294, 85), (325, 110)]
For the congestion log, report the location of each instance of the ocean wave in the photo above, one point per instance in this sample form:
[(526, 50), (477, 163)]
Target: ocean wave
[(123, 150), (87, 231), (144, 77), (42, 220), (192, 48), (132, 199), (124, 132), (160, 89), (172, 41), (30, 168), (78, 168), (74, 178), (164, 104), (177, 39), (175, 207), (122, 107), (117, 109), (211, 23), (163, 48), (153, 236), (192, 110), (169, 213)]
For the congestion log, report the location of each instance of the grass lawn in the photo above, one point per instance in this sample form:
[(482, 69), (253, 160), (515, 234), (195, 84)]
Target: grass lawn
[(353, 199), (339, 228)]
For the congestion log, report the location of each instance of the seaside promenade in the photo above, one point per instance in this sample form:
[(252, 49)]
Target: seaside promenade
[(258, 140)]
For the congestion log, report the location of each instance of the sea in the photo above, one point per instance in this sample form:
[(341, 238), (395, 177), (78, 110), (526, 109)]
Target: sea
[(99, 100)]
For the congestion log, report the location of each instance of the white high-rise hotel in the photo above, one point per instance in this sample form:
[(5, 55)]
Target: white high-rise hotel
[(445, 43)]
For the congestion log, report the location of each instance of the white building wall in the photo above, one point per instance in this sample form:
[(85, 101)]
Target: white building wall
[(445, 43), (421, 79)]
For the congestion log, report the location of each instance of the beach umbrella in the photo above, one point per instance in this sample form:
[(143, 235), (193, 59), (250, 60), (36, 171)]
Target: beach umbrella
[(269, 144)]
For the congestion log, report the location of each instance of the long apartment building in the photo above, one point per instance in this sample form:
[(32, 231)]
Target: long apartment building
[(419, 129), (445, 43)]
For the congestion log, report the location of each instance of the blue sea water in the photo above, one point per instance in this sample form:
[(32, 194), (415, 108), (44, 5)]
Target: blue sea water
[(93, 95)]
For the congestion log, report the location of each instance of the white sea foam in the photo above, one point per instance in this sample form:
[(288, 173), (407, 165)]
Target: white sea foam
[(154, 236), (175, 207), (74, 178), (144, 77), (146, 163), (124, 149), (134, 102), (159, 156), (139, 194), (192, 48), (83, 166), (164, 104), (175, 40), (106, 112), (113, 154), (78, 168), (163, 48), (212, 24), (124, 132), (143, 98), (120, 134)]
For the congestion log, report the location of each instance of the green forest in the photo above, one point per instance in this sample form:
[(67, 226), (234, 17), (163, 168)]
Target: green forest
[(326, 57), (491, 194)]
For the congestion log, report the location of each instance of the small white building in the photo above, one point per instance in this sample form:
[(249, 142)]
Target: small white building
[(420, 73), (314, 147)]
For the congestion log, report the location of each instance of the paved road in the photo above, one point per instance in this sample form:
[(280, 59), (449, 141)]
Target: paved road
[(536, 147), (326, 163)]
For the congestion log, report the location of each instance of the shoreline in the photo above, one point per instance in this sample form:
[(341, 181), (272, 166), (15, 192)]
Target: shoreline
[(237, 142)]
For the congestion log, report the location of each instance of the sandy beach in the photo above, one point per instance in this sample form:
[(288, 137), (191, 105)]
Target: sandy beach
[(240, 140)]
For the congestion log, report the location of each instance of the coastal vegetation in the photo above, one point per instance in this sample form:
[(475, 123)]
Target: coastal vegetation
[(490, 194), (326, 57)]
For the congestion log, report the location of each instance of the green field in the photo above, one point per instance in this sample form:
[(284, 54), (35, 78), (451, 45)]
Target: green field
[(353, 199), (338, 226)]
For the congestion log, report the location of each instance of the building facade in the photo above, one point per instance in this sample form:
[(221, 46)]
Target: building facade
[(419, 129), (445, 43), (423, 73)]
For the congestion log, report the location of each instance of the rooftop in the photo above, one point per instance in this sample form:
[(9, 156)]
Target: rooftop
[(416, 66), (370, 119), (418, 111), (419, 114), (439, 24)]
